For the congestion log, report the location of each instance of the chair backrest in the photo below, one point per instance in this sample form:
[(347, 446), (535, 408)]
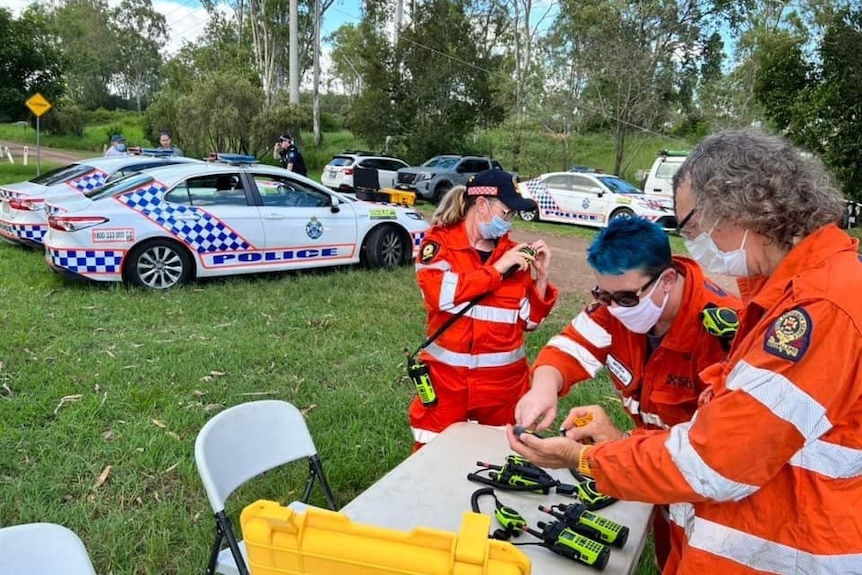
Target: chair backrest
[(42, 549), (243, 441)]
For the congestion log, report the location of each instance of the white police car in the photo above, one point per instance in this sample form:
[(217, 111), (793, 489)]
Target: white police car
[(166, 226), (592, 199), (23, 219)]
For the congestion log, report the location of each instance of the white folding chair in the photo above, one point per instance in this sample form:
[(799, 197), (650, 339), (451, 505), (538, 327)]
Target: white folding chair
[(241, 443), (42, 549)]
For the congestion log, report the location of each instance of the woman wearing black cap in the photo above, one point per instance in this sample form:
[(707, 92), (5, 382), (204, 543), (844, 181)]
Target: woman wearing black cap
[(478, 365), (289, 155)]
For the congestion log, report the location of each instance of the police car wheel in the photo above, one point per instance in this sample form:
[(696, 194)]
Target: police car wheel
[(158, 264), (622, 213), (386, 247), (440, 191), (529, 215)]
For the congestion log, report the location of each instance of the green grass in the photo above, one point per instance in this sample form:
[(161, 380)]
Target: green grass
[(95, 376), (105, 381)]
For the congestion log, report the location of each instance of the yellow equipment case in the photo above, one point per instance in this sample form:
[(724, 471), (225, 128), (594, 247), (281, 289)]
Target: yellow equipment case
[(388, 195), (282, 541)]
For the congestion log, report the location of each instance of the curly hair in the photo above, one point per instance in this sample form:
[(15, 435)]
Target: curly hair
[(761, 182)]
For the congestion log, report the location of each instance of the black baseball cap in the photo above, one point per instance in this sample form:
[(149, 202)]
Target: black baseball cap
[(499, 184), (285, 138)]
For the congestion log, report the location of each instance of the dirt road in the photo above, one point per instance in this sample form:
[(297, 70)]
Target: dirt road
[(46, 155), (569, 269)]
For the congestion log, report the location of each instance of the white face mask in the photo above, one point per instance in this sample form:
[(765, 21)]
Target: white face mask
[(642, 317), (706, 253)]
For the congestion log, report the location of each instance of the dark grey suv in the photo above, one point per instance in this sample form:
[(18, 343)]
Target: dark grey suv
[(435, 177)]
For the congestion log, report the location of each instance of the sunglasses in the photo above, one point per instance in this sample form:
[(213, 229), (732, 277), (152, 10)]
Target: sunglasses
[(682, 223), (623, 298), (507, 213)]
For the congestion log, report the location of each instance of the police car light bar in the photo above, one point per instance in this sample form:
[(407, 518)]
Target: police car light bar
[(232, 159), (156, 152), (675, 153)]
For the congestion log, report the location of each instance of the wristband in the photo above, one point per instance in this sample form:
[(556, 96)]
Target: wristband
[(583, 464)]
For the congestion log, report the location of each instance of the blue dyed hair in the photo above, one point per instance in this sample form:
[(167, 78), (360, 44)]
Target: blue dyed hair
[(630, 244)]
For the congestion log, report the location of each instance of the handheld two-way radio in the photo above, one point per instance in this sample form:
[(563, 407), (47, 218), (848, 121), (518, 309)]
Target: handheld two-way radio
[(563, 541), (579, 519), (511, 520), (518, 474), (418, 373), (589, 494)]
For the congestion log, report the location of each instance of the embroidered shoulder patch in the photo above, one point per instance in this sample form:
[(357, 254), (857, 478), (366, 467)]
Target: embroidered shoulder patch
[(789, 335), (592, 307), (429, 251)]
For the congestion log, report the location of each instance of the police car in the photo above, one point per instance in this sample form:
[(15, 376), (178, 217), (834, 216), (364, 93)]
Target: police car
[(592, 199), (23, 219), (166, 226)]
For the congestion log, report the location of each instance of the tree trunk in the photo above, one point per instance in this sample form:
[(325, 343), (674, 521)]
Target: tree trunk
[(315, 102), (293, 65)]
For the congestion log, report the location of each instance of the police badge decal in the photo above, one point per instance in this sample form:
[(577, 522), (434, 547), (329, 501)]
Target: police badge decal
[(789, 335)]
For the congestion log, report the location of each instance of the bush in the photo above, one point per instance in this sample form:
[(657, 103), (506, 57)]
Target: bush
[(68, 120)]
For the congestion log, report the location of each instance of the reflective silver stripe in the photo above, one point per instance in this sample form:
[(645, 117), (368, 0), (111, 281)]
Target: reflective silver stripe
[(423, 435), (632, 405), (578, 352), (829, 459), (494, 314), (441, 265), (653, 419), (478, 360), (683, 515), (447, 290), (524, 309), (768, 556), (782, 397), (592, 332), (702, 478)]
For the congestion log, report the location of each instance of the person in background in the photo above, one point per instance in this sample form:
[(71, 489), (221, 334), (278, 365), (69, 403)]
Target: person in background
[(646, 326), (478, 365), (289, 155), (166, 143), (117, 147), (767, 477)]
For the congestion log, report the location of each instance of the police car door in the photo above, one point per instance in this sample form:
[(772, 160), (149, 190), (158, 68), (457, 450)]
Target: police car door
[(305, 225), (216, 217), (591, 200)]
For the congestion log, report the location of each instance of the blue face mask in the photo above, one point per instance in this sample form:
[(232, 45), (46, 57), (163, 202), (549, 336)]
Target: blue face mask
[(121, 147), (496, 228)]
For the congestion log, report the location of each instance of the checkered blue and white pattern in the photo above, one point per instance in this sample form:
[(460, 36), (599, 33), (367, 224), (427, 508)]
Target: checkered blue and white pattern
[(417, 238), (34, 232), (8, 194), (203, 232), (89, 181), (54, 210), (87, 261), (546, 203)]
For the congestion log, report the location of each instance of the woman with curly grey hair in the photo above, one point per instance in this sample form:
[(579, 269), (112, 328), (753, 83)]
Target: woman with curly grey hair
[(767, 477)]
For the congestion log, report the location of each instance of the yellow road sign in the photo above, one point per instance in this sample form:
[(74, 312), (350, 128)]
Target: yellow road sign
[(38, 104)]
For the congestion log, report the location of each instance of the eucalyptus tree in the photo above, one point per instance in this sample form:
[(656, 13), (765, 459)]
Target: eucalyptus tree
[(142, 33)]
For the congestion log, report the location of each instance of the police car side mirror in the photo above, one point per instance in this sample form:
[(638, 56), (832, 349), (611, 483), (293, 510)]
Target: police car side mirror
[(335, 206)]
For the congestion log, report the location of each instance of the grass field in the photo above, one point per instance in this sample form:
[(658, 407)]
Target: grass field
[(104, 388)]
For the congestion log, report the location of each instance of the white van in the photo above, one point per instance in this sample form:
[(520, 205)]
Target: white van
[(659, 180)]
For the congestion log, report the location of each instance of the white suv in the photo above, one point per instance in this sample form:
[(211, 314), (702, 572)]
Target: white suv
[(338, 173), (659, 180)]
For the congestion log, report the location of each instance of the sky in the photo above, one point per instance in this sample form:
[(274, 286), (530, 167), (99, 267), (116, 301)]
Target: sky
[(187, 19)]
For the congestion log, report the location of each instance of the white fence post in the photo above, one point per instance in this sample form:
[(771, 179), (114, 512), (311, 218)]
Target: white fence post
[(8, 154), (26, 153)]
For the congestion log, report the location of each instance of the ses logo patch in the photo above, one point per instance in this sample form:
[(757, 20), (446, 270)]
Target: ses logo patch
[(239, 258)]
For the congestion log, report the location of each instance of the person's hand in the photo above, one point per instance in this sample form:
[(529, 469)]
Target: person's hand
[(540, 403), (542, 260), (598, 430), (550, 452), (514, 258)]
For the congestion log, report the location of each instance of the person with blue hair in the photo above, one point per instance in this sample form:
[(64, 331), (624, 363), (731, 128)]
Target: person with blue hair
[(647, 327)]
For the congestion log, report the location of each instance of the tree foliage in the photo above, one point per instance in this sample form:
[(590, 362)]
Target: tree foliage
[(29, 63)]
